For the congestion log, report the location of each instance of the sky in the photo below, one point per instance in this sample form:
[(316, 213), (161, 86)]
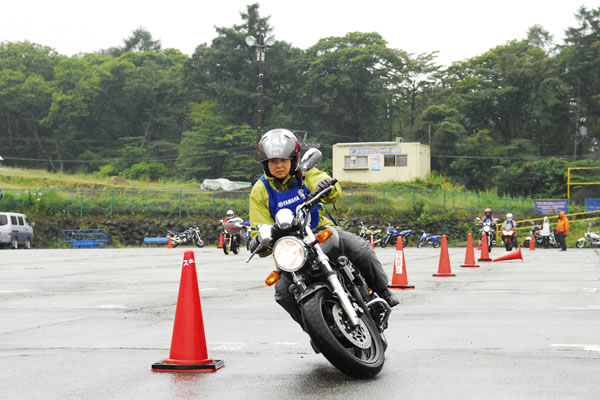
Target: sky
[(458, 29)]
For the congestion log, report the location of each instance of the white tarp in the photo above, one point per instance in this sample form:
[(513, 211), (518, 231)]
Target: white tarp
[(223, 184)]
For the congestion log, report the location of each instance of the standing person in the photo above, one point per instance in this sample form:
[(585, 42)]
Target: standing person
[(546, 232), (279, 153), (562, 228)]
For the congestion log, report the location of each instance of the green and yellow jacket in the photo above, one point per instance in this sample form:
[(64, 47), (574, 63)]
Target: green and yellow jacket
[(259, 197)]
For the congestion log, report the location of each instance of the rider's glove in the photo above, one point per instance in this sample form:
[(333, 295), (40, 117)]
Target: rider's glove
[(324, 184)]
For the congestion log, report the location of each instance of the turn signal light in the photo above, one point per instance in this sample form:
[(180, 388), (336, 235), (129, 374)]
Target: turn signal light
[(272, 278), (324, 235)]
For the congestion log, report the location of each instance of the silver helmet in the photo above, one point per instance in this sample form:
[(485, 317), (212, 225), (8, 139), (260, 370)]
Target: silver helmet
[(279, 143)]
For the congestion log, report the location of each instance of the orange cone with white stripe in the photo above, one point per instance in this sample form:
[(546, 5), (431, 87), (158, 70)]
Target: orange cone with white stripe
[(188, 345), (444, 266), (399, 279), (470, 254), (485, 255)]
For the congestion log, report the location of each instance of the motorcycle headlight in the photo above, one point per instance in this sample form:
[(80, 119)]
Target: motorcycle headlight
[(486, 228), (289, 253)]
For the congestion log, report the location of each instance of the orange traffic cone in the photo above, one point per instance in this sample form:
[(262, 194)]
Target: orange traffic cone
[(188, 345), (513, 255), (400, 280), (169, 242), (470, 254), (484, 256), (372, 243), (532, 243), (444, 267), (220, 241)]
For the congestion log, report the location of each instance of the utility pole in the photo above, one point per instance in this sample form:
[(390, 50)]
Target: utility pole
[(261, 44)]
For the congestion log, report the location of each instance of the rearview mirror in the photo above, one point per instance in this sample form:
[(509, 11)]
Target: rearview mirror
[(310, 159)]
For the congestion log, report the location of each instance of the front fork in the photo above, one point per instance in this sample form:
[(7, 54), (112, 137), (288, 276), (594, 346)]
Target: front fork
[(333, 281)]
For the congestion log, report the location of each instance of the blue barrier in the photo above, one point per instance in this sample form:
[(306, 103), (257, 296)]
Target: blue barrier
[(156, 240), (83, 238)]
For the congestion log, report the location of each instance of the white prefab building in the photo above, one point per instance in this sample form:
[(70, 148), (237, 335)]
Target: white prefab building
[(373, 162)]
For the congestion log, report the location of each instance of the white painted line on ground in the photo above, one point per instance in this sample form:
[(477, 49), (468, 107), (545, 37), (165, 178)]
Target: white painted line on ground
[(230, 346), (590, 289), (586, 308), (584, 347), (120, 306)]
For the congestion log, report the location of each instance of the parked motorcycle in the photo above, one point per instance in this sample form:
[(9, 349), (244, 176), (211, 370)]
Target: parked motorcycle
[(489, 228), (232, 235), (540, 238), (369, 233), (392, 235), (509, 238), (593, 238), (426, 238), (189, 236), (343, 317)]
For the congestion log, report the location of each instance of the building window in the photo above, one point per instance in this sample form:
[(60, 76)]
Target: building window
[(356, 162), (395, 161)]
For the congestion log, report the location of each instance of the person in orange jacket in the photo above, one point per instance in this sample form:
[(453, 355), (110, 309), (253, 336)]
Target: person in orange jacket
[(562, 228)]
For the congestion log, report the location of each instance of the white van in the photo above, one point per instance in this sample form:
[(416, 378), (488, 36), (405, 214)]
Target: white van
[(15, 230)]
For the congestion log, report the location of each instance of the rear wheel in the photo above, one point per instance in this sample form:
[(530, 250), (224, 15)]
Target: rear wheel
[(235, 247), (357, 352), (383, 242)]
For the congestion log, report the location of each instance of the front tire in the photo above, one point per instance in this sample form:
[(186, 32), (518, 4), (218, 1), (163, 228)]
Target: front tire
[(226, 244), (361, 358), (580, 243), (435, 244)]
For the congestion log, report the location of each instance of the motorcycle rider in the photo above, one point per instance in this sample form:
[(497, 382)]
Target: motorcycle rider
[(562, 228), (546, 232), (487, 216), (279, 152), (509, 223), (228, 215)]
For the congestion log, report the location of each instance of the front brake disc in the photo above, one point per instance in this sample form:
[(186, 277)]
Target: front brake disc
[(359, 336)]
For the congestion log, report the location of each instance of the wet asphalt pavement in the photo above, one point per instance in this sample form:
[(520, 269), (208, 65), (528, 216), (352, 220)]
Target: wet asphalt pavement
[(88, 324)]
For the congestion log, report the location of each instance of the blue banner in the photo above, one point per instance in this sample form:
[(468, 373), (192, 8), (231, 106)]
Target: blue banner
[(592, 204), (551, 206)]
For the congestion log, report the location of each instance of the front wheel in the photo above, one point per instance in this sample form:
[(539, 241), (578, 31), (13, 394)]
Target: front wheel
[(435, 244), (405, 241), (358, 352), (226, 244), (419, 244), (199, 243), (580, 243)]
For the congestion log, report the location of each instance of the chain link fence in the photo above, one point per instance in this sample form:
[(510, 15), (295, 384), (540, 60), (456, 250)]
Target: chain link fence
[(186, 203)]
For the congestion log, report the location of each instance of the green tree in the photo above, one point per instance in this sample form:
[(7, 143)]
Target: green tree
[(215, 149)]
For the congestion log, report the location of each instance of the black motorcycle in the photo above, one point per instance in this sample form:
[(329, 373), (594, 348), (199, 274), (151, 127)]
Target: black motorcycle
[(343, 317), (189, 236), (489, 228)]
